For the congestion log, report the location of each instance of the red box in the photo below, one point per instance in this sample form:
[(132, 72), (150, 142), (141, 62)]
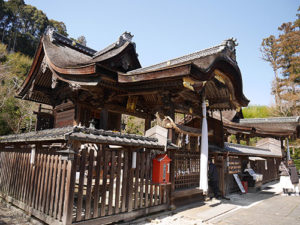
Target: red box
[(245, 185), (161, 169)]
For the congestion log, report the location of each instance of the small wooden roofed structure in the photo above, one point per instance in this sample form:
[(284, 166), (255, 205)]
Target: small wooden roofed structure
[(273, 127), (237, 157), (277, 126), (63, 70)]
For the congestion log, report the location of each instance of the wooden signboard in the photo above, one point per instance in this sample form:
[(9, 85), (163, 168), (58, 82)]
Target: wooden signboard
[(234, 165), (239, 183)]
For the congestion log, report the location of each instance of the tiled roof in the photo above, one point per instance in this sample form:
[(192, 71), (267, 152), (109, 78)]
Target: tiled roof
[(295, 119), (245, 150), (43, 135), (85, 135), (183, 59)]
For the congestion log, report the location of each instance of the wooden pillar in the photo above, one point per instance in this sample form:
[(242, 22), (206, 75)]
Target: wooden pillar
[(171, 154), (148, 123), (221, 116), (70, 184), (114, 121), (282, 148), (238, 138), (103, 119), (248, 140)]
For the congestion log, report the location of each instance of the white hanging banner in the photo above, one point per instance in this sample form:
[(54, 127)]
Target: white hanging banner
[(204, 152), (32, 156), (288, 149), (186, 139), (133, 165)]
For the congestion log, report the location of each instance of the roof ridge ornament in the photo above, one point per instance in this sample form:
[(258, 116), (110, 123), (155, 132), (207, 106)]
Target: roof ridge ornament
[(126, 36), (230, 45), (49, 32)]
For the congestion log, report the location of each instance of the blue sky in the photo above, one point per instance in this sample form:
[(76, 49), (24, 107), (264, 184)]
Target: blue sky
[(171, 28)]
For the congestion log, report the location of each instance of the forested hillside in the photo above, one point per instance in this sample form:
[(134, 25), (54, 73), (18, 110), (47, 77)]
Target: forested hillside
[(22, 25), (15, 114)]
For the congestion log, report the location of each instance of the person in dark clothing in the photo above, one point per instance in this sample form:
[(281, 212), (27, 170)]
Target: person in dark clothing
[(213, 178)]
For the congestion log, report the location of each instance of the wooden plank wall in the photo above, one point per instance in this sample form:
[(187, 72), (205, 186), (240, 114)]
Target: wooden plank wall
[(106, 185), (39, 188)]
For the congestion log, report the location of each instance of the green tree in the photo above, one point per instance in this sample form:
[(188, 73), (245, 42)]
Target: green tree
[(257, 111), (283, 53), (21, 26), (59, 27), (15, 114), (134, 125), (81, 40)]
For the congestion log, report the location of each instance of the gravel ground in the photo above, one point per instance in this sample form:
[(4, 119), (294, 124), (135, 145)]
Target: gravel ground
[(174, 220), (12, 215)]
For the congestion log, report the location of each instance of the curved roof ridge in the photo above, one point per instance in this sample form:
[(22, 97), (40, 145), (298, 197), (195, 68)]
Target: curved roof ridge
[(188, 57), (125, 37), (55, 36)]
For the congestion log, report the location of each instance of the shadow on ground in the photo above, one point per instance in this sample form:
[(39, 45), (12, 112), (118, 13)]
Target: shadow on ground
[(268, 191)]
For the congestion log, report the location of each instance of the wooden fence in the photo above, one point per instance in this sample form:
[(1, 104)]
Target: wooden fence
[(106, 185), (98, 186), (39, 189), (187, 169), (186, 161)]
